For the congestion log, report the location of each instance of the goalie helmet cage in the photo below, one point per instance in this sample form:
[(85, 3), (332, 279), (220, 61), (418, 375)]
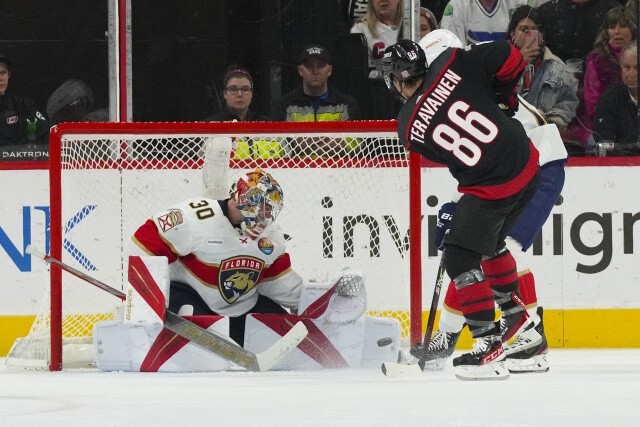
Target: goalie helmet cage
[(351, 199)]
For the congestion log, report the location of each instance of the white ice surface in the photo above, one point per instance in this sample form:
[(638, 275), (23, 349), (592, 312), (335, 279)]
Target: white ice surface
[(583, 388)]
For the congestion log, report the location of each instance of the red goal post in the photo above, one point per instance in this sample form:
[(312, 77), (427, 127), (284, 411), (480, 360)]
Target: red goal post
[(107, 177)]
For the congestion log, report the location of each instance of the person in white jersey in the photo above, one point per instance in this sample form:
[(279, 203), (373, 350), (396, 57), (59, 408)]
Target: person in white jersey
[(228, 256), (381, 27), (476, 21)]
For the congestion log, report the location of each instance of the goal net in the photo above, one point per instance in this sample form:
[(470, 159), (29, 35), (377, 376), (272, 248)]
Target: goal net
[(346, 204)]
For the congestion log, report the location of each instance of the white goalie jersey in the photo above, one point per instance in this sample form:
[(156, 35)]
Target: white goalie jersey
[(227, 268)]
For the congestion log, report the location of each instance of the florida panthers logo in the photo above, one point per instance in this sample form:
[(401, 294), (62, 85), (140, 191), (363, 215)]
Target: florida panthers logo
[(237, 276)]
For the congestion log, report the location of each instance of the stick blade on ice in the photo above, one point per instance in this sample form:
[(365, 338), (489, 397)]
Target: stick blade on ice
[(268, 358)]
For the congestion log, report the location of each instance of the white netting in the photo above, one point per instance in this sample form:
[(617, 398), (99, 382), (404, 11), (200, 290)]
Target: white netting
[(346, 204)]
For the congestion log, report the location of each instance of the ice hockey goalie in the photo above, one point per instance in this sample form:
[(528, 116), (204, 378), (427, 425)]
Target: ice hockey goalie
[(224, 263), (340, 334)]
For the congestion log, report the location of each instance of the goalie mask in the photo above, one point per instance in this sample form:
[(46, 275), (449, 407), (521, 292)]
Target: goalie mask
[(259, 197), (401, 62)]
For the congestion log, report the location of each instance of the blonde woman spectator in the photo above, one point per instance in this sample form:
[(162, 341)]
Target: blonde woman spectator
[(381, 27), (428, 22)]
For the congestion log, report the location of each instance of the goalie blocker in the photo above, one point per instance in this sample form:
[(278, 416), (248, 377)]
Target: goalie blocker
[(339, 336)]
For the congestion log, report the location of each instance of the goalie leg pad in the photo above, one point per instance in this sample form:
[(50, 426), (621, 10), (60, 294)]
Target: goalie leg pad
[(340, 301), (151, 348), (368, 341), (382, 341), (137, 309), (326, 346)]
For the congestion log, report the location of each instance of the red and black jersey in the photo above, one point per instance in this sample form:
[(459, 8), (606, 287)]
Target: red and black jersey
[(454, 119)]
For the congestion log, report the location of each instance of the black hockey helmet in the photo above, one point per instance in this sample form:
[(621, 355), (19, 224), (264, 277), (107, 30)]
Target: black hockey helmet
[(404, 60)]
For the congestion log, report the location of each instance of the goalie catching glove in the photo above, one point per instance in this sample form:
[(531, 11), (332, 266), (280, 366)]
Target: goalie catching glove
[(349, 299)]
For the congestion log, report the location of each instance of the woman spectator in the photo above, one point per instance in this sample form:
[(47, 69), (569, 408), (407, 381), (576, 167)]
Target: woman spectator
[(603, 66), (381, 27), (238, 94), (428, 22), (546, 83)]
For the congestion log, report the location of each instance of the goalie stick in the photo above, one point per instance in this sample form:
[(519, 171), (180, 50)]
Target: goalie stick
[(398, 370), (211, 341)]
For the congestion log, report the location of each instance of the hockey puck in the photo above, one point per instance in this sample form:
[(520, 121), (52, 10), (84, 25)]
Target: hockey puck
[(384, 341)]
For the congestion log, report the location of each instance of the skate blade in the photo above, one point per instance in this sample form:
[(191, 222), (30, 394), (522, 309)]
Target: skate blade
[(533, 338), (489, 372), (435, 365), (537, 364), (401, 370)]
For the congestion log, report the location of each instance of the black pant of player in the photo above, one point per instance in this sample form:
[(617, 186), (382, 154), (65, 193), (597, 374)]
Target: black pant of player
[(479, 227), (183, 294)]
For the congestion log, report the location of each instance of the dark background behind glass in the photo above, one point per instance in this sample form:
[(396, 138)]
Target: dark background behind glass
[(181, 50)]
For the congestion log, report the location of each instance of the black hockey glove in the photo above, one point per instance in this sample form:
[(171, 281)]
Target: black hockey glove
[(445, 215), (508, 101)]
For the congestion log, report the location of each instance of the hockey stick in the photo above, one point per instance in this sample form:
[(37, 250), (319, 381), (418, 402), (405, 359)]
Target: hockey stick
[(391, 369), (208, 340)]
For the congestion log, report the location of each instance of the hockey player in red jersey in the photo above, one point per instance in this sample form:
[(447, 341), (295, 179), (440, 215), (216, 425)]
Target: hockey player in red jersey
[(528, 352), (452, 116)]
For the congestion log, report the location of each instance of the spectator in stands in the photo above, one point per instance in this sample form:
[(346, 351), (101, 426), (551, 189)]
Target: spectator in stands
[(546, 83), (315, 101), (237, 90), (616, 116), (603, 67), (238, 94), (572, 25), (428, 22), (20, 120), (435, 6), (478, 21), (381, 27), (73, 101)]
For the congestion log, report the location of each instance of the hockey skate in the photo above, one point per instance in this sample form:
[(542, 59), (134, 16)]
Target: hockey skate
[(440, 348), (417, 360), (522, 357), (515, 322), (482, 363)]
